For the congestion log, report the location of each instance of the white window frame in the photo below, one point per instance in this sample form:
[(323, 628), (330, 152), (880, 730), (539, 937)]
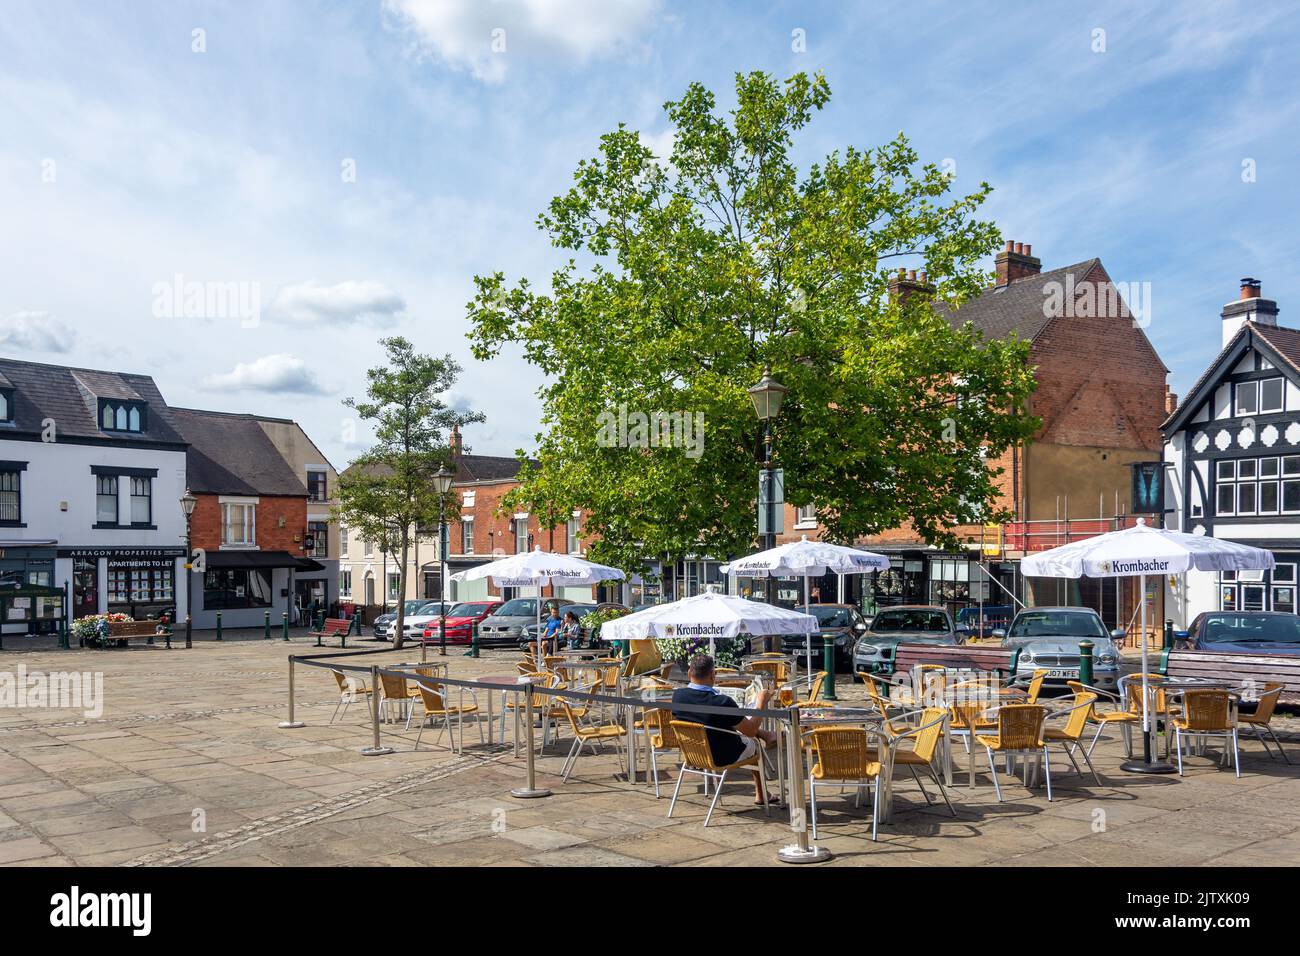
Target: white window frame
[(1251, 388), (573, 533), (467, 535), (1281, 395), (248, 524), (805, 516)]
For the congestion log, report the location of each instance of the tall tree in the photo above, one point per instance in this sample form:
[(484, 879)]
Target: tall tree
[(389, 494), (701, 269)]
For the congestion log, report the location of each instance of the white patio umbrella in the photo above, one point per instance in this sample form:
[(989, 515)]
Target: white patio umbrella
[(806, 559), (538, 568), (1137, 552), (707, 615)]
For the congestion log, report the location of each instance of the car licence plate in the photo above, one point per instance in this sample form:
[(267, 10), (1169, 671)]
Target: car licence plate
[(1064, 672)]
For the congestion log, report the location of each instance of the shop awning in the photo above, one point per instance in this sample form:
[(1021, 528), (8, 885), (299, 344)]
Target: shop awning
[(307, 564), (254, 559)]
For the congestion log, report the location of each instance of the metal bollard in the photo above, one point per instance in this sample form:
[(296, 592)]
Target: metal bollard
[(800, 851), (376, 749), (529, 792), (473, 640), (285, 625), (290, 724), (828, 665), (1085, 663), (218, 625), (1169, 635), (266, 625)]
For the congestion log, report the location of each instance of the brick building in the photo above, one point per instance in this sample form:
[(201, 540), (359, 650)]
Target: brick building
[(250, 519), (1101, 394)]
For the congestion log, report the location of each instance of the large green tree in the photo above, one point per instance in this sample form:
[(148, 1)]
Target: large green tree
[(388, 493), (691, 273)]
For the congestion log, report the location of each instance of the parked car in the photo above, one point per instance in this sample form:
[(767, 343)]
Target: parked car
[(1048, 639), (841, 622), (383, 629), (906, 623), (1244, 632), (979, 622), (414, 624), (505, 626), (460, 621), (581, 610)]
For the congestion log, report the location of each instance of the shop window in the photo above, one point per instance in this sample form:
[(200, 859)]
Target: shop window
[(236, 587)]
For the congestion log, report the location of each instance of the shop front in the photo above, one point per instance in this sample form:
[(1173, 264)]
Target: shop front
[(138, 582)]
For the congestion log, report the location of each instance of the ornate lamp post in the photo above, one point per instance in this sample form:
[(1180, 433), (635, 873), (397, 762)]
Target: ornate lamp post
[(442, 483), (767, 397), (188, 501)]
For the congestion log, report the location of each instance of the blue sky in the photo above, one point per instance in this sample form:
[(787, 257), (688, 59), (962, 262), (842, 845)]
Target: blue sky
[(128, 158)]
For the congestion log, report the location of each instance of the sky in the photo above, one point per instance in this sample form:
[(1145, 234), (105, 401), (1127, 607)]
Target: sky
[(326, 174)]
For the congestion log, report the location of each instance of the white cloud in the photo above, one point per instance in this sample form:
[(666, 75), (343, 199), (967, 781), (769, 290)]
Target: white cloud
[(350, 301), (35, 332), (270, 373), (483, 37)]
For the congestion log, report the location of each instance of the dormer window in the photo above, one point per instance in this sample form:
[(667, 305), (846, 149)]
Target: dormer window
[(121, 416), (6, 404)]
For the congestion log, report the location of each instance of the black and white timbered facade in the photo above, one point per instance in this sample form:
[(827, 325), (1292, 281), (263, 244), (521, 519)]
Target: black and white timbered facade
[(1232, 456)]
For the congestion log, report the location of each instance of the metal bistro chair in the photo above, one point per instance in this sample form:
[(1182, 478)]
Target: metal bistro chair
[(589, 735), (1207, 713), (1126, 718), (435, 705), (925, 744), (1020, 731), (842, 755), (657, 727), (397, 693), (350, 688), (1260, 719), (788, 695), (697, 758), (1070, 737)]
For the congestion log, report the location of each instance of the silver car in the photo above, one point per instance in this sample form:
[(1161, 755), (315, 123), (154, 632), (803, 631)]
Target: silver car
[(910, 623), (1048, 639), (507, 625)]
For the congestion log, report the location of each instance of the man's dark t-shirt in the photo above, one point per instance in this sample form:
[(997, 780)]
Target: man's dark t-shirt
[(726, 748)]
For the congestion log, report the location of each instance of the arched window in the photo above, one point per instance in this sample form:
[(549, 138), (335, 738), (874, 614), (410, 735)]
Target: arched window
[(135, 419), (121, 418), (107, 417), (4, 407)]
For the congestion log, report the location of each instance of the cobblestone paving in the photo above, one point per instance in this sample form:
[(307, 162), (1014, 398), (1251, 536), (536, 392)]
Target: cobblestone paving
[(187, 766)]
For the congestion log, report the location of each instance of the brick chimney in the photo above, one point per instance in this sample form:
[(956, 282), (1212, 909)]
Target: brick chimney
[(1249, 306), (1171, 401), (1016, 262), (908, 283), (455, 442)]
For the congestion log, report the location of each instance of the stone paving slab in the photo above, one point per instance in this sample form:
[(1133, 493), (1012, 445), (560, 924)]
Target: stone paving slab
[(192, 735)]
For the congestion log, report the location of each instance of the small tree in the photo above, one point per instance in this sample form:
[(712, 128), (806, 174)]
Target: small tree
[(389, 492)]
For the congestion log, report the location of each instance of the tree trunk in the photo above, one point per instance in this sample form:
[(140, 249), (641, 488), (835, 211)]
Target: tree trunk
[(399, 632)]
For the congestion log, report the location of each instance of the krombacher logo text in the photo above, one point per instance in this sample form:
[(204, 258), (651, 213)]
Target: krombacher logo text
[(1137, 566)]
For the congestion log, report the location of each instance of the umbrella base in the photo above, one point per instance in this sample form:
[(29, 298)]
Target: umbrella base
[(1143, 766), (524, 793), (796, 854)]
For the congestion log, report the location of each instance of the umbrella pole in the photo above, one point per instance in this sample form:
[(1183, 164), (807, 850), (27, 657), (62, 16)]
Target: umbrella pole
[(1146, 764), (807, 635)]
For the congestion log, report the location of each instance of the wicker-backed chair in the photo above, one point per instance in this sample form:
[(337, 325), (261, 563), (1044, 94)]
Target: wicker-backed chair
[(396, 692), (1070, 737), (1020, 731), (843, 755), (925, 739), (777, 668), (788, 696), (1207, 713), (588, 735), (656, 725), (1260, 720), (697, 758), (434, 699), (350, 688), (1035, 686)]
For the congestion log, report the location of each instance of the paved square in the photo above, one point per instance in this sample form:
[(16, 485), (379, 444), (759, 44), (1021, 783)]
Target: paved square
[(187, 766)]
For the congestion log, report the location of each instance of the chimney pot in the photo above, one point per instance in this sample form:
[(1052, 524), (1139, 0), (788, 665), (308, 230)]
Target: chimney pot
[(1028, 249), (1008, 246), (1019, 249), (911, 275), (1015, 262), (1250, 288)]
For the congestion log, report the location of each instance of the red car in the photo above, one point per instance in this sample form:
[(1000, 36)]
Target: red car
[(460, 622)]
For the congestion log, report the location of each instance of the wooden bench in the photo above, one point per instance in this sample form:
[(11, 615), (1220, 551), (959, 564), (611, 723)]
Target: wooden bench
[(1001, 660), (333, 627), (121, 632), (1254, 669)]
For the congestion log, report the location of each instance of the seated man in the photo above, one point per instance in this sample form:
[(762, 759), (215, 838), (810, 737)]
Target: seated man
[(726, 748)]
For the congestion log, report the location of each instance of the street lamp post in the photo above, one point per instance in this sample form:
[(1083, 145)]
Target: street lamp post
[(442, 482), (188, 501), (767, 397)]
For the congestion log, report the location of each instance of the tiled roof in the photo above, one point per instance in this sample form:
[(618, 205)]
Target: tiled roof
[(1286, 342), (69, 397), (230, 454), (1017, 306), (468, 468)]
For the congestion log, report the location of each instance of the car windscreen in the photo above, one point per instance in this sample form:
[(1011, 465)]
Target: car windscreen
[(828, 616), (468, 610), (1057, 624), (912, 619), (1251, 629), (519, 607), (577, 610)]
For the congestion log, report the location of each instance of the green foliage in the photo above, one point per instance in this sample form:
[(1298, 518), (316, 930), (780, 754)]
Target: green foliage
[(389, 491), (727, 651), (701, 269)]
